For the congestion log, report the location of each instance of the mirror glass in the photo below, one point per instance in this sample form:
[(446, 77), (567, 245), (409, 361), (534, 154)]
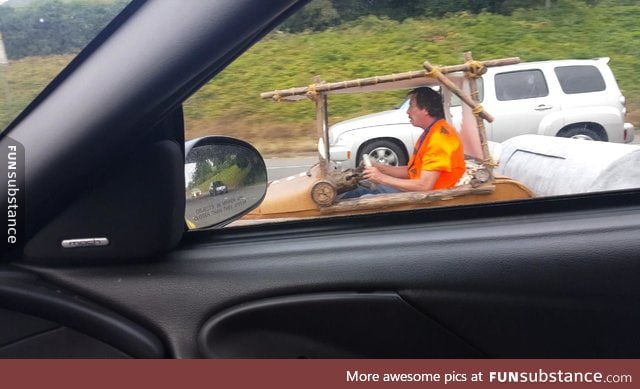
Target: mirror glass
[(222, 182)]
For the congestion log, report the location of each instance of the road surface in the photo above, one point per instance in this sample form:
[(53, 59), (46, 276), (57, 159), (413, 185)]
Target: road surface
[(279, 168)]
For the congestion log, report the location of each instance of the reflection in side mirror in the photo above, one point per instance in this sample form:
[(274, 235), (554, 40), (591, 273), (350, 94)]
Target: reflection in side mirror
[(224, 179)]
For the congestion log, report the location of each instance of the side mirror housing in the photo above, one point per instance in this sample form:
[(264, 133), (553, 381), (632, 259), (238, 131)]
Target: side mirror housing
[(225, 178)]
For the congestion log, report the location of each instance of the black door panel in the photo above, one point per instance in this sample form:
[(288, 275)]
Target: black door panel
[(335, 325), (499, 283), (41, 320), (15, 326), (521, 326), (60, 342)]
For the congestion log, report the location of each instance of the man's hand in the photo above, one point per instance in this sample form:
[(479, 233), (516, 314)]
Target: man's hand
[(374, 175), (425, 183)]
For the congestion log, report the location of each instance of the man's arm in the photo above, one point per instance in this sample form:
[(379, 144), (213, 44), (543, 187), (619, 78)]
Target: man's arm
[(425, 183), (393, 171)]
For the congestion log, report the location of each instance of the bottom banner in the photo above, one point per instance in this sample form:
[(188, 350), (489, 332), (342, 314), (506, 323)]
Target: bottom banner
[(310, 374)]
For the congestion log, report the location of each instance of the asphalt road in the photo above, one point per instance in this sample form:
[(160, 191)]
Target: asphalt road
[(279, 168)]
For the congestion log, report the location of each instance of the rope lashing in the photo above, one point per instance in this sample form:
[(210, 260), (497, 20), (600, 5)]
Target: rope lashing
[(311, 92), (434, 72), (475, 69), (477, 109)]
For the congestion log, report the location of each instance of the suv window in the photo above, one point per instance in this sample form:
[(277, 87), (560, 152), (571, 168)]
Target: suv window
[(520, 85), (580, 79)]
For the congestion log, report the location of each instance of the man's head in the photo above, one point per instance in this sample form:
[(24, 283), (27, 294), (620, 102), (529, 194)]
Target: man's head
[(424, 107)]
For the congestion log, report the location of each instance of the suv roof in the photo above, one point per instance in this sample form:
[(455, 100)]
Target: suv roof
[(552, 62)]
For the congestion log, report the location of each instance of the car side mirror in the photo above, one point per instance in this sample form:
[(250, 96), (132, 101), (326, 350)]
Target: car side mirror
[(225, 178)]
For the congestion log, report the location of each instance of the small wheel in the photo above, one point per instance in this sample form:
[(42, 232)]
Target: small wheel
[(483, 175), (581, 132), (383, 151), (323, 193)]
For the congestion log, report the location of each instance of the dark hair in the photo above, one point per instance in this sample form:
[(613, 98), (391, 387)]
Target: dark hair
[(427, 98)]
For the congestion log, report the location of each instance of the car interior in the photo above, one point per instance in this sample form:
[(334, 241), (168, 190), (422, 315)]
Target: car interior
[(106, 267)]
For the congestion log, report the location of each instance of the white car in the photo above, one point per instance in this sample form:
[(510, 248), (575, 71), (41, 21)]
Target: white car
[(196, 194), (566, 98)]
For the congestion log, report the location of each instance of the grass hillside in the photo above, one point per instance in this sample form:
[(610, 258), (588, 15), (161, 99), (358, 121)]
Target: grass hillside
[(230, 104)]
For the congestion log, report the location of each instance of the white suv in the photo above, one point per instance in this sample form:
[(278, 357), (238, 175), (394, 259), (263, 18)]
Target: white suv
[(567, 98)]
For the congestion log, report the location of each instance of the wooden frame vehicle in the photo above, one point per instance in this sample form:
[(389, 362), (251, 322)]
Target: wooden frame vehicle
[(316, 192)]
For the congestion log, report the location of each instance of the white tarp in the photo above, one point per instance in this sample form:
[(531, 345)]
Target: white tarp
[(558, 166)]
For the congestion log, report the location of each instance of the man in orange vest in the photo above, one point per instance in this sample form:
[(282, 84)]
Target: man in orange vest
[(437, 161)]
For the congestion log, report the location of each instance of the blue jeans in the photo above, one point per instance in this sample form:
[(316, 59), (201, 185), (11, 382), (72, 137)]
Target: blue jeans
[(367, 189)]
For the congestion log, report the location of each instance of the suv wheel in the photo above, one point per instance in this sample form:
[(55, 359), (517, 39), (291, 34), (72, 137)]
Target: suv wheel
[(580, 132), (383, 151)]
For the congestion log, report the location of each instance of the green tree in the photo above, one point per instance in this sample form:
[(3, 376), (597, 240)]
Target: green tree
[(202, 172), (321, 14), (54, 27), (317, 15)]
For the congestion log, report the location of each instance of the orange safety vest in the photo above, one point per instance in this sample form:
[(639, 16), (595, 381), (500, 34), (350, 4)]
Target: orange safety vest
[(440, 150)]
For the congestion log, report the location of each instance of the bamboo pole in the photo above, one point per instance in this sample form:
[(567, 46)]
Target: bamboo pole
[(473, 87), (321, 131), (438, 75), (465, 67), (360, 82), (326, 87), (405, 198)]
